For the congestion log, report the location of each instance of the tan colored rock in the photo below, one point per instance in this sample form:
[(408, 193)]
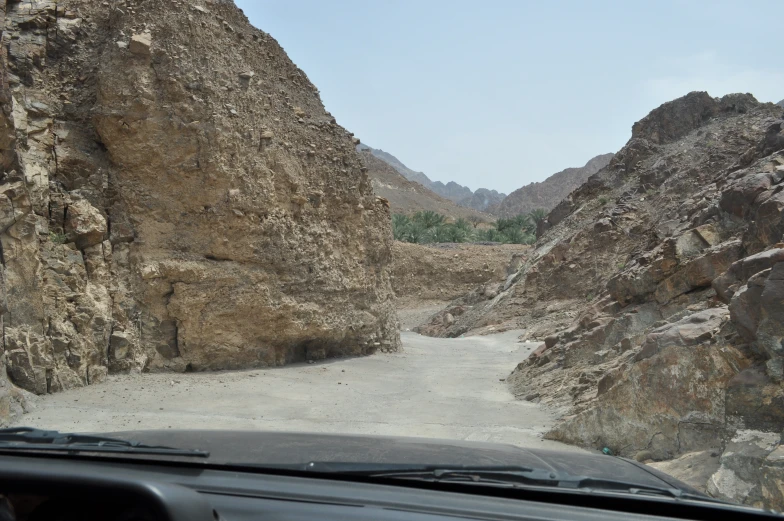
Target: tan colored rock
[(693, 468), (750, 471), (143, 230), (443, 272), (84, 224), (13, 401), (140, 44)]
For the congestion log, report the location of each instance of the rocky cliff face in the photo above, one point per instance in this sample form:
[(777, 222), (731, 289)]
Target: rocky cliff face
[(657, 287), (551, 191), (483, 200), (174, 196)]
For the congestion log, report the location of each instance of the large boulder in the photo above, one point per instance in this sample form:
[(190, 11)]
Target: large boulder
[(690, 331), (642, 278), (757, 307), (699, 272), (755, 399), (671, 400), (693, 468), (768, 224), (745, 305), (740, 271), (751, 471), (738, 199), (770, 332), (14, 402), (84, 224)]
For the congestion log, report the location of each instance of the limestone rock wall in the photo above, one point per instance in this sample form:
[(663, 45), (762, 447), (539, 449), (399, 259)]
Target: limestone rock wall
[(174, 196)]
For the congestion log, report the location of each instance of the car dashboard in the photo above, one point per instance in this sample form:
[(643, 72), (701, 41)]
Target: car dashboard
[(38, 488)]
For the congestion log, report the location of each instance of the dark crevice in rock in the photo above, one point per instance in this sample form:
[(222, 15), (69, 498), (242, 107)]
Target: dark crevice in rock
[(176, 340), (217, 258)]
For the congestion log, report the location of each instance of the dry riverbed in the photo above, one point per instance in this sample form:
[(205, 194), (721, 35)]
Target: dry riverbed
[(443, 388)]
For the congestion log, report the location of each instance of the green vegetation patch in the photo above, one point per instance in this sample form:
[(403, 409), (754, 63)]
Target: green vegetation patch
[(429, 227)]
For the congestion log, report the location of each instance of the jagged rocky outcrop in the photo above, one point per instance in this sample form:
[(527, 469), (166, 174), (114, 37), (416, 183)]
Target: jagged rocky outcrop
[(174, 196), (551, 191), (658, 288), (483, 200)]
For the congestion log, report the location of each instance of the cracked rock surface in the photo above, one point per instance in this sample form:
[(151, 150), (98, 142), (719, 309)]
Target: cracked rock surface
[(174, 196), (658, 290)]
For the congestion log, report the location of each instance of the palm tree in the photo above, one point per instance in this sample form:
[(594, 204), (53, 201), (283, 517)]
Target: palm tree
[(513, 236), (400, 219), (538, 215), (400, 224), (416, 232), (505, 224), (525, 222), (463, 224), (429, 219), (489, 235), (454, 233), (437, 234)]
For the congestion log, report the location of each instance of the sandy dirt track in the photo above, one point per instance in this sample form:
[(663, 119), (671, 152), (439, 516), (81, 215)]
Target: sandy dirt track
[(443, 388)]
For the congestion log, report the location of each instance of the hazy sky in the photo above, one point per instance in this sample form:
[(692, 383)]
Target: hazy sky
[(500, 93)]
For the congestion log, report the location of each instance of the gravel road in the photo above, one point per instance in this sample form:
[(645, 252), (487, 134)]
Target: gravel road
[(442, 388)]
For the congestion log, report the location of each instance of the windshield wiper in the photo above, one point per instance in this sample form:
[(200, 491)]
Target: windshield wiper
[(505, 476), (31, 439)]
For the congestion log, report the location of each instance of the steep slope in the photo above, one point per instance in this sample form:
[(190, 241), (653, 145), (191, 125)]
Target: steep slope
[(174, 196), (552, 190), (457, 193), (662, 309), (391, 160), (408, 197)]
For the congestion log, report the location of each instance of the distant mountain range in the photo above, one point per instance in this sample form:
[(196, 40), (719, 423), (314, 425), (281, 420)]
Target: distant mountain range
[(432, 195), (552, 190), (407, 197), (483, 200)]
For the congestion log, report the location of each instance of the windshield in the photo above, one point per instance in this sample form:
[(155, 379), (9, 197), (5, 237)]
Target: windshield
[(547, 236)]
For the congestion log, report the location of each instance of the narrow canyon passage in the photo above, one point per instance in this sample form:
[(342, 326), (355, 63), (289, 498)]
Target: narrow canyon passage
[(441, 388)]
